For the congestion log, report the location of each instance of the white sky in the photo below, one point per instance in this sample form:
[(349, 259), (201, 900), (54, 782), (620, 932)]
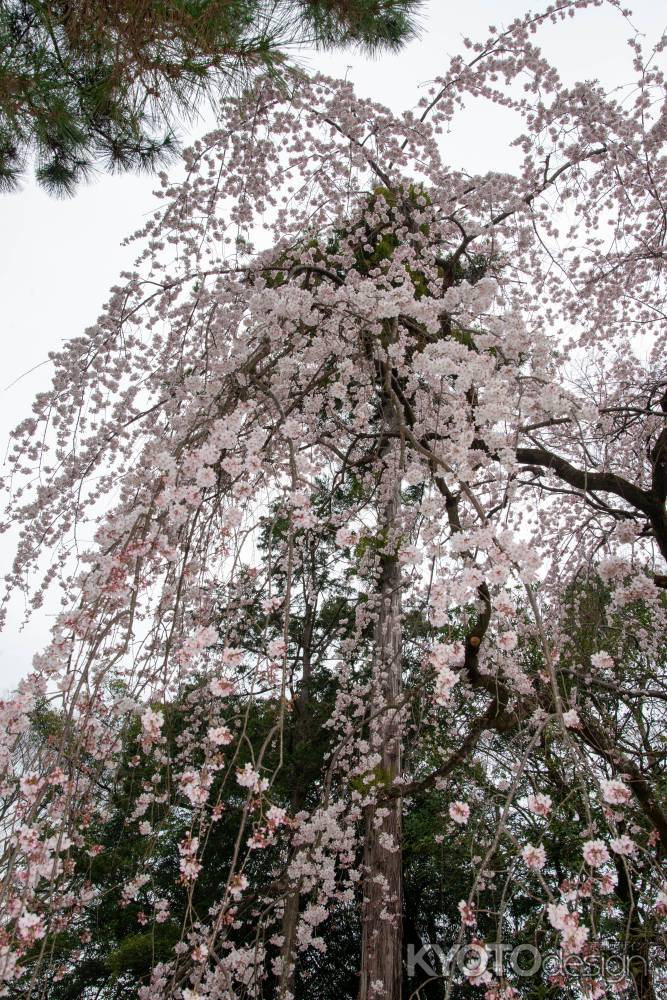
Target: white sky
[(59, 258)]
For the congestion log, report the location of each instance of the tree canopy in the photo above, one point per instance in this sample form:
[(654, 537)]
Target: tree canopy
[(86, 84)]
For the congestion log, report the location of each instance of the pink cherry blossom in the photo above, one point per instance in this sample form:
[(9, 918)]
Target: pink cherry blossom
[(468, 915), (595, 853), (602, 660), (615, 792), (571, 719), (534, 857), (220, 735), (459, 812), (540, 804), (623, 845)]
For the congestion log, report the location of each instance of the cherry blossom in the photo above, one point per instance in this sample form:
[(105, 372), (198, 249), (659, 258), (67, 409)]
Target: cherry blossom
[(459, 812), (623, 845), (364, 423), (540, 804), (534, 857), (615, 792), (595, 853)]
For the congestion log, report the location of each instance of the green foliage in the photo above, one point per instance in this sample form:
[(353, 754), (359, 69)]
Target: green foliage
[(136, 953), (84, 84), (378, 777)]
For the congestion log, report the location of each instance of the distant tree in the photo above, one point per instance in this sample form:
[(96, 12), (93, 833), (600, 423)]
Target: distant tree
[(86, 84)]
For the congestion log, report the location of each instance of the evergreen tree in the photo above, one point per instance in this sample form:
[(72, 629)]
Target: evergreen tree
[(84, 84)]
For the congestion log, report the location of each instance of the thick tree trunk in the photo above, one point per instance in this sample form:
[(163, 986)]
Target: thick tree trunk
[(288, 950), (381, 935)]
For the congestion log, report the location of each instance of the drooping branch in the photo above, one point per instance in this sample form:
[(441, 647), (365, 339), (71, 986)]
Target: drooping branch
[(649, 502)]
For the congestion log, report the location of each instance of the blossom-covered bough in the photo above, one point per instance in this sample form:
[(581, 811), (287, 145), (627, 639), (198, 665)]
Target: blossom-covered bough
[(364, 424)]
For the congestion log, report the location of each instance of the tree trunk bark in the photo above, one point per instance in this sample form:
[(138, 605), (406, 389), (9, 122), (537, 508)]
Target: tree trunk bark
[(288, 950), (381, 934)]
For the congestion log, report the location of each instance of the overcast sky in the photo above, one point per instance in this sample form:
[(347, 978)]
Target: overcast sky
[(59, 258)]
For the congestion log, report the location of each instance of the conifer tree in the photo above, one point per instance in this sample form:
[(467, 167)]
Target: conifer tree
[(85, 84)]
